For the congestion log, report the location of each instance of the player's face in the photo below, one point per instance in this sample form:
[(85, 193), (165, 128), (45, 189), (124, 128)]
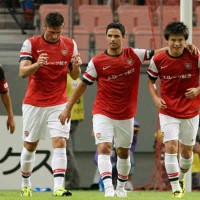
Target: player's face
[(52, 34), (176, 45), (115, 39)]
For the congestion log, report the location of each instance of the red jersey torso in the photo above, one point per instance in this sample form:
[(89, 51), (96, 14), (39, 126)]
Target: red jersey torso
[(47, 86), (177, 75), (117, 80)]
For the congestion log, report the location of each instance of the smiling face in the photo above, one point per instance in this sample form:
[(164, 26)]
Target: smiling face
[(114, 40), (176, 45), (52, 34)]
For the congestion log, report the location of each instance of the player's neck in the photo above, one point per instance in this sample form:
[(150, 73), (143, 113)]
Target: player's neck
[(175, 53), (114, 52)]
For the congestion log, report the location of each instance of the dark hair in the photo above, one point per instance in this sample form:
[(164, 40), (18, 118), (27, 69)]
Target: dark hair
[(54, 19), (116, 25), (2, 76), (176, 28)]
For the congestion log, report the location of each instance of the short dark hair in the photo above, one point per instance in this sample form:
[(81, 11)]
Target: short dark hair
[(2, 76), (116, 25), (176, 28), (54, 19)]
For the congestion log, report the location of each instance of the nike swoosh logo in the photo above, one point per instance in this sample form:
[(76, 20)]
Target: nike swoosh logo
[(104, 68), (39, 51), (162, 67)]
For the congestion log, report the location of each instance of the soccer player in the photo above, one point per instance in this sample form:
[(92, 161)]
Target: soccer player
[(5, 97), (45, 60), (116, 71), (178, 102)]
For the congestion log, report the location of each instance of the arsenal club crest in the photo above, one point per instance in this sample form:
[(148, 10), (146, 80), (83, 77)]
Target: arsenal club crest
[(64, 52), (26, 133), (98, 135), (129, 61), (188, 65)]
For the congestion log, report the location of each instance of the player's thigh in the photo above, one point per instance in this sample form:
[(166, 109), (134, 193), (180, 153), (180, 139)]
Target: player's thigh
[(123, 135), (34, 123), (103, 129), (56, 129), (170, 127), (188, 130)]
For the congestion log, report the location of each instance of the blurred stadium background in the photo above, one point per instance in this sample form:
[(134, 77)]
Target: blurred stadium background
[(85, 21)]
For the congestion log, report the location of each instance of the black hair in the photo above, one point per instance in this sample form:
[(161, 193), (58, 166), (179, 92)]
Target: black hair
[(54, 19), (116, 25), (2, 76), (176, 28)]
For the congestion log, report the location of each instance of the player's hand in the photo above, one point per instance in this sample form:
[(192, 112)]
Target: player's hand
[(192, 93), (42, 59), (76, 61), (11, 124), (192, 49), (160, 103), (64, 116)]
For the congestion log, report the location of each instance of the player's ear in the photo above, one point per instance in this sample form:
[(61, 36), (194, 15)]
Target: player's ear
[(44, 27)]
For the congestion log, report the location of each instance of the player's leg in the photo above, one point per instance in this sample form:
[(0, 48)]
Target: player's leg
[(59, 134), (189, 128), (129, 185), (31, 129), (122, 141), (103, 132), (105, 167), (170, 129), (27, 161)]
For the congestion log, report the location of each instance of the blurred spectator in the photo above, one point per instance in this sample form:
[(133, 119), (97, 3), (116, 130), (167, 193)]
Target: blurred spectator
[(28, 13), (72, 178)]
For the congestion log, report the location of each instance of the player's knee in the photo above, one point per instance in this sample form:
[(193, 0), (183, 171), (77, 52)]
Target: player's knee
[(104, 148), (30, 146), (123, 153)]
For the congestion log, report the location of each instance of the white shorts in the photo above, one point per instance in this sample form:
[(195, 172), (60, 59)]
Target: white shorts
[(184, 130), (119, 132), (37, 120)]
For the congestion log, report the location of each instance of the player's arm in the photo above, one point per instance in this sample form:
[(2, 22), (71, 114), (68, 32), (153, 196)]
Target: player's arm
[(5, 97), (160, 50), (76, 62), (75, 70), (27, 68), (78, 92), (159, 102), (192, 48), (191, 93)]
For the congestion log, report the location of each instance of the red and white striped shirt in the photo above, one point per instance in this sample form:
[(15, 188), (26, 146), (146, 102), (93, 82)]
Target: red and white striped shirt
[(117, 80), (47, 86), (177, 74)]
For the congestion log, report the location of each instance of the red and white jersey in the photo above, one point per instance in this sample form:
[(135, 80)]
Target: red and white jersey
[(3, 83), (47, 86), (177, 74), (117, 80)]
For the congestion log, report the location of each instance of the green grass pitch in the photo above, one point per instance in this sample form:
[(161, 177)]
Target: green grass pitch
[(96, 195)]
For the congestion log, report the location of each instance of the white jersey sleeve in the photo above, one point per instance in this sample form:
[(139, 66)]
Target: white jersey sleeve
[(90, 74), (140, 53), (144, 54), (152, 69), (26, 51), (75, 48)]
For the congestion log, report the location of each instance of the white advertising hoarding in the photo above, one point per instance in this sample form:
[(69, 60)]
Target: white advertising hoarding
[(10, 150)]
